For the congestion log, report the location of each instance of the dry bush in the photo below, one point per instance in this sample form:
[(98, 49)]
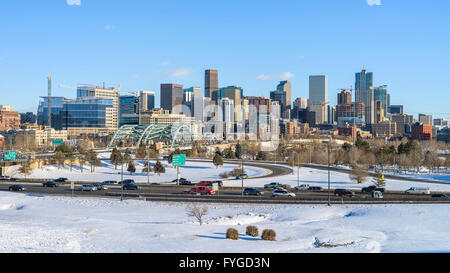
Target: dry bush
[(268, 235), (197, 212), (252, 231), (232, 234), (224, 175), (236, 172)]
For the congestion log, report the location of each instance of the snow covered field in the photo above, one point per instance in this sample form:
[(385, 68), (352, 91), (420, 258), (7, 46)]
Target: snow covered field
[(194, 171), (65, 224)]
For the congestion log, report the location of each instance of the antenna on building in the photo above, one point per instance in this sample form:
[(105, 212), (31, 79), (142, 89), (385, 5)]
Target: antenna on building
[(49, 101)]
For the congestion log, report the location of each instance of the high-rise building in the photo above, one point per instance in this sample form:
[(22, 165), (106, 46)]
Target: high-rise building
[(379, 112), (300, 103), (426, 119), (171, 96), (380, 93), (112, 113), (402, 121), (28, 117), (280, 97), (318, 89), (365, 93), (9, 118), (147, 101), (396, 109), (128, 110), (211, 82), (286, 87), (234, 93)]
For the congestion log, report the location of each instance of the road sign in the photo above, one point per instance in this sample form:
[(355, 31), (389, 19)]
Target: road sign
[(9, 156), (58, 142), (178, 160)]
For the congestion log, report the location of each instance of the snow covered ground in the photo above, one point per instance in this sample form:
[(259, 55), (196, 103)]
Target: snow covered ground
[(64, 224), (194, 171)]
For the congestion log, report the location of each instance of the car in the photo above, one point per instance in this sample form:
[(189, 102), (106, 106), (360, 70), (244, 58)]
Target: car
[(181, 179), (16, 188), (371, 189), (101, 186), (272, 185), (130, 186), (416, 190), (439, 195), (302, 187), (7, 178), (203, 190), (377, 195), (253, 191), (242, 176), (282, 193), (126, 181), (61, 180), (186, 183), (189, 192), (50, 184), (343, 192), (314, 189), (110, 182), (88, 187)]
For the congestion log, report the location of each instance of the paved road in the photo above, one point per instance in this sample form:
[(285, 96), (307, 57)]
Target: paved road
[(174, 193)]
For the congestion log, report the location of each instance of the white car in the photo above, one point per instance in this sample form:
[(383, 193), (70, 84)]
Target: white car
[(415, 190), (88, 187), (282, 192), (302, 187)]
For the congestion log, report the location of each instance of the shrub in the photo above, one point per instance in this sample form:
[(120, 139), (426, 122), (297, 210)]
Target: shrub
[(252, 231), (224, 175), (232, 234), (268, 235), (236, 172)]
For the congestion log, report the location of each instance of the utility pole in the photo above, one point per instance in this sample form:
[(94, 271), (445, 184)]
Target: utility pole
[(49, 101)]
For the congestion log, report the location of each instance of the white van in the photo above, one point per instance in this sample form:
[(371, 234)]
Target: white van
[(302, 187), (415, 190)]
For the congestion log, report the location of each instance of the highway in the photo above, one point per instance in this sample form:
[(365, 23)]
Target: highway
[(171, 192), (225, 195)]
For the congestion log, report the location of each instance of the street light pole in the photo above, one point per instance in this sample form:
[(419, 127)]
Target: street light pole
[(329, 190), (298, 169), (242, 178), (121, 185)]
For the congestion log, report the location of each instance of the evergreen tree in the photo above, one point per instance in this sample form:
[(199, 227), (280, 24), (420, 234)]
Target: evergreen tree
[(378, 180), (218, 160), (159, 168), (116, 157), (131, 167), (238, 151)]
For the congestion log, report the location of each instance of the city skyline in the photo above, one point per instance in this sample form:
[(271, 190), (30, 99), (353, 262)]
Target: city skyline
[(126, 53)]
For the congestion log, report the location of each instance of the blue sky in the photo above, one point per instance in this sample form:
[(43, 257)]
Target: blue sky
[(142, 43)]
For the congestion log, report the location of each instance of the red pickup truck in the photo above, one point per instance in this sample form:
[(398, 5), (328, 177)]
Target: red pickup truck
[(203, 190)]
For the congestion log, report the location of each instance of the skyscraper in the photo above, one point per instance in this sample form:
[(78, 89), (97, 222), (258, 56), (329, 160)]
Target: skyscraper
[(286, 87), (318, 89), (147, 100), (381, 94), (171, 95), (364, 93), (211, 82)]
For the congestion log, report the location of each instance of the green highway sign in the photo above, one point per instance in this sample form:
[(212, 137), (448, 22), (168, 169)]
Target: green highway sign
[(9, 156), (178, 160), (58, 142)]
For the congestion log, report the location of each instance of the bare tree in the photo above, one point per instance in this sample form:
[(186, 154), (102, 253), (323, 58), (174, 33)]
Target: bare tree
[(358, 174), (197, 212)]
